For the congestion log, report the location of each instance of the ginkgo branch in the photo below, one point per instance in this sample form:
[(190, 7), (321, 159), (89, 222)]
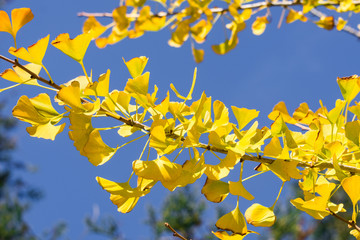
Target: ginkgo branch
[(349, 222), (223, 10), (175, 234), (146, 128), (32, 74)]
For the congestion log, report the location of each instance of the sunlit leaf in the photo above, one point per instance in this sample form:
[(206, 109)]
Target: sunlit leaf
[(238, 189), (326, 22), (244, 116), (349, 87), (93, 27), (224, 47), (18, 75), (122, 194), (35, 53), (294, 15), (259, 25), (233, 221), (260, 216), (340, 24), (74, 48), (215, 191), (136, 66)]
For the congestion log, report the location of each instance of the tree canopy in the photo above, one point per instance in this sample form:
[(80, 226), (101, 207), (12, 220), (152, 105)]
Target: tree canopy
[(320, 148)]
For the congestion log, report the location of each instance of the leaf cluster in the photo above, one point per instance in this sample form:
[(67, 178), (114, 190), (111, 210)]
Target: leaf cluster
[(319, 148)]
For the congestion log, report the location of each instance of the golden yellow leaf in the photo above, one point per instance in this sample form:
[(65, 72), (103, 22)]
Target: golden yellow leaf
[(74, 48), (101, 87), (233, 221), (180, 35), (19, 17), (340, 24), (285, 170), (189, 96), (225, 47), (45, 131), (225, 236), (20, 76), (96, 150), (198, 54), (244, 116), (238, 189), (280, 108), (70, 95), (221, 170), (136, 66), (158, 170), (326, 22), (200, 30), (93, 27), (294, 15), (115, 36), (159, 141), (122, 194), (148, 22), (349, 87), (80, 129), (215, 190), (260, 216), (35, 52), (139, 85), (5, 24), (351, 187), (259, 25)]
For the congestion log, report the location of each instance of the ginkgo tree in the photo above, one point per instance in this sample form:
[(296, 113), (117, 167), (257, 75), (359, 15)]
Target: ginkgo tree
[(318, 148)]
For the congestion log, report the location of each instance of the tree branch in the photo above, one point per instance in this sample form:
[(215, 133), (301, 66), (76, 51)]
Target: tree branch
[(175, 234), (349, 222), (144, 127)]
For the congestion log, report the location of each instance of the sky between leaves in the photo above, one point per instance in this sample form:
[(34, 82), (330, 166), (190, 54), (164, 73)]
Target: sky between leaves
[(296, 63)]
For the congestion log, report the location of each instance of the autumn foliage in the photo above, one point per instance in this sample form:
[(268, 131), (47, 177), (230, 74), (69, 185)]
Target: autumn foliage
[(318, 148)]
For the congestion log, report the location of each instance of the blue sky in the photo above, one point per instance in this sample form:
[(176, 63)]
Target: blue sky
[(297, 63)]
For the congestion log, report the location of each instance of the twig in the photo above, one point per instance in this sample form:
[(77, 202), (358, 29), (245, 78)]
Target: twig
[(146, 128), (175, 234), (349, 222)]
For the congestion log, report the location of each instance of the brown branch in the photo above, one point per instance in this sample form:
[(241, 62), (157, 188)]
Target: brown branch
[(144, 127), (32, 74), (349, 222), (175, 234)]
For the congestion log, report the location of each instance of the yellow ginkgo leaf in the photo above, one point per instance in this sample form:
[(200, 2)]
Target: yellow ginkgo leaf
[(122, 194), (148, 22), (259, 25), (198, 54), (221, 170), (244, 116), (233, 221), (189, 96), (36, 111), (45, 131), (159, 140), (200, 30), (5, 24), (139, 85), (39, 112), (340, 24), (349, 87), (136, 66), (74, 48), (326, 22), (295, 15), (70, 95), (355, 233), (115, 36), (80, 129), (180, 35), (285, 170), (192, 170), (35, 52), (19, 17), (215, 190), (96, 150), (260, 216), (101, 87), (238, 189), (18, 75), (223, 235), (225, 47), (159, 170), (93, 27), (351, 187)]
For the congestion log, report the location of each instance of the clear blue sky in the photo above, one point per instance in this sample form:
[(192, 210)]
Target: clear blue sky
[(298, 62)]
